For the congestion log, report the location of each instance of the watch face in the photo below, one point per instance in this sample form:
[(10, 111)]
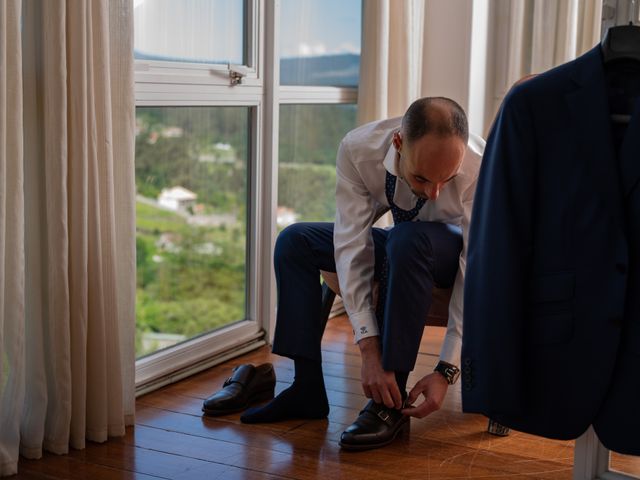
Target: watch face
[(449, 372), (453, 375)]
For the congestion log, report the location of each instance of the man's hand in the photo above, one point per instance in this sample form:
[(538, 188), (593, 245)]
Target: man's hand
[(434, 387), (377, 383)]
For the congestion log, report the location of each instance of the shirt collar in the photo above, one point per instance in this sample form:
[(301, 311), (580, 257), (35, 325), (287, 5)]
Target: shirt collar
[(390, 161)]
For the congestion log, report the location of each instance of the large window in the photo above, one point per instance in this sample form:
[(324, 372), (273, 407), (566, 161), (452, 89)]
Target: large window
[(191, 180), (230, 95)]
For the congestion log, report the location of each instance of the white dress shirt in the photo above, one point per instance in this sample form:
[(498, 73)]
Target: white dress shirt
[(364, 156)]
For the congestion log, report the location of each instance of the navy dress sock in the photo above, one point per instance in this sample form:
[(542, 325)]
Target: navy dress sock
[(305, 398)]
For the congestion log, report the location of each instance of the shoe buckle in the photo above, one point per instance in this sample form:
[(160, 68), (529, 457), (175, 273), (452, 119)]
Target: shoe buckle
[(383, 415)]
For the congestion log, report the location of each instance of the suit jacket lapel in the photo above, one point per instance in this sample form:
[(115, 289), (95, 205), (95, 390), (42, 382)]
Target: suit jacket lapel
[(630, 154), (591, 130)]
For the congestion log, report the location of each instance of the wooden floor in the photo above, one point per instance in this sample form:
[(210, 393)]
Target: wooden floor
[(172, 440)]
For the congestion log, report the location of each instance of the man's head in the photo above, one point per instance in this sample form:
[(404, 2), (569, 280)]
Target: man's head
[(431, 144)]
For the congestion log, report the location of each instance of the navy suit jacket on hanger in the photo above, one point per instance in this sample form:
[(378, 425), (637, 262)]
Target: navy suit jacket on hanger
[(551, 338)]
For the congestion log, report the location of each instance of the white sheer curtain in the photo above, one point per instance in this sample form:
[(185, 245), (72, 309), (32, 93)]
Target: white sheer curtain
[(524, 37), (391, 61), (532, 36), (67, 227)]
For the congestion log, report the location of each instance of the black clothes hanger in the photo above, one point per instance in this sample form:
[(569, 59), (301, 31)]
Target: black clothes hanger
[(621, 42), (621, 57)]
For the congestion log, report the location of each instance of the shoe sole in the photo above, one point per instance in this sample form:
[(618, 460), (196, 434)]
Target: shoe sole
[(404, 429), (258, 397), (494, 428)]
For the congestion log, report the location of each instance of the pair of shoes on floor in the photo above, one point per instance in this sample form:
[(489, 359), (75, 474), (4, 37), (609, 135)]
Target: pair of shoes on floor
[(375, 427), (248, 385)]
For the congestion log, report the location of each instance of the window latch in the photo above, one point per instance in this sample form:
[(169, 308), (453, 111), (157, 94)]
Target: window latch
[(235, 74)]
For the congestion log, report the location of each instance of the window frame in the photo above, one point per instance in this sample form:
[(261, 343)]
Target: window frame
[(186, 73)]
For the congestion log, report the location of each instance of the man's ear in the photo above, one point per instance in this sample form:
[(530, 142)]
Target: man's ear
[(397, 141)]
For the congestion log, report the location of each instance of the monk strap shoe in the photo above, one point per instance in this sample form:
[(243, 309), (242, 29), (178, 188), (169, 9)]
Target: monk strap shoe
[(247, 385), (375, 427)]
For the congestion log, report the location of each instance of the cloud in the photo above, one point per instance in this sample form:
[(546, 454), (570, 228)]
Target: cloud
[(306, 50)]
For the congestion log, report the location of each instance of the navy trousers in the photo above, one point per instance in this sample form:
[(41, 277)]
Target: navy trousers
[(419, 256)]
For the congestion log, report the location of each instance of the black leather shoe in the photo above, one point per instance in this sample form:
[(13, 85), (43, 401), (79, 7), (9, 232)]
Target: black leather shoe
[(246, 386), (375, 427)]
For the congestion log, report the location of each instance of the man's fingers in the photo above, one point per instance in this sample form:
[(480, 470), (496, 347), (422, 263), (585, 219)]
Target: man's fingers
[(367, 390), (416, 412), (414, 394), (395, 395), (387, 399), (422, 410), (375, 395)]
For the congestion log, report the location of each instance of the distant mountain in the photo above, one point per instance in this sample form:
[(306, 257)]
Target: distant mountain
[(342, 70), (328, 70)]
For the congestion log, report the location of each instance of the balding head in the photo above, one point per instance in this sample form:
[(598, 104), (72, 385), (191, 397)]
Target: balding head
[(439, 116)]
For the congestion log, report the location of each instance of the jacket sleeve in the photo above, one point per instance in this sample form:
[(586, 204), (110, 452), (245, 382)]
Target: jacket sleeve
[(353, 242), (498, 265)]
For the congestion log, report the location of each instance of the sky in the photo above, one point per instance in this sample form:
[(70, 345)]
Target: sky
[(319, 27), (212, 29)]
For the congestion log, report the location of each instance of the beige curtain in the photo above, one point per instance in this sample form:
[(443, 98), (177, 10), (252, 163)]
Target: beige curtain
[(563, 30), (12, 354), (69, 353)]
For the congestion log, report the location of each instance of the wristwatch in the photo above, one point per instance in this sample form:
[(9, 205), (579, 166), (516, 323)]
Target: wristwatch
[(451, 373)]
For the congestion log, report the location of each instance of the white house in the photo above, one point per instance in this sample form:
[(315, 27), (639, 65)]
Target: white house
[(177, 198)]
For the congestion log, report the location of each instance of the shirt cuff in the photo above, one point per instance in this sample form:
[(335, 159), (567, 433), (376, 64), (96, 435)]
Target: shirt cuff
[(364, 325), (451, 350)]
